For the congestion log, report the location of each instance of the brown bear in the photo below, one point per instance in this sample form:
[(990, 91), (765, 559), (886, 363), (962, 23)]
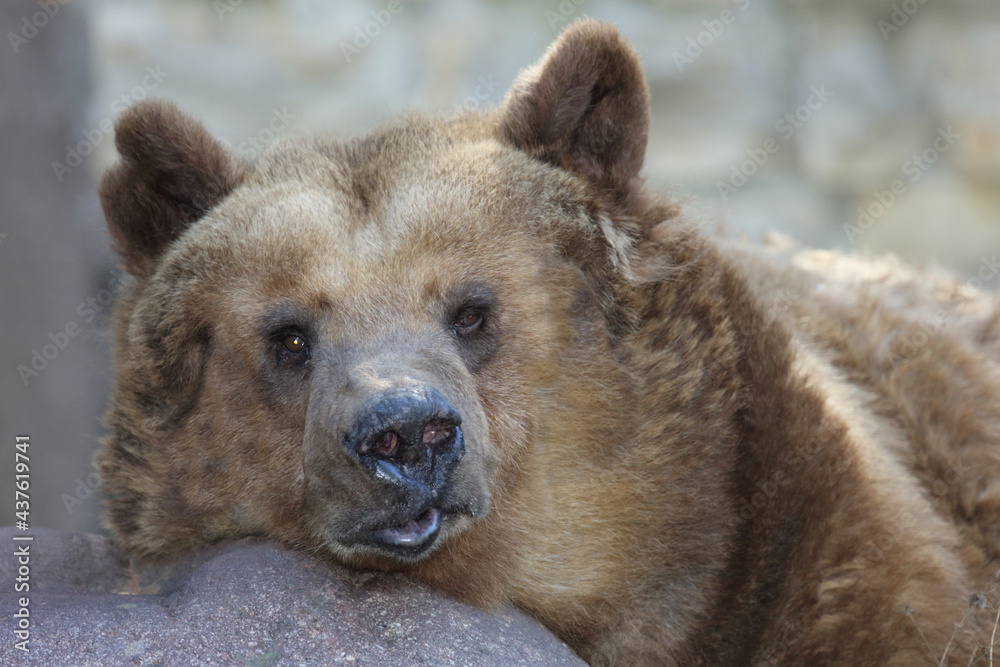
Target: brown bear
[(479, 349)]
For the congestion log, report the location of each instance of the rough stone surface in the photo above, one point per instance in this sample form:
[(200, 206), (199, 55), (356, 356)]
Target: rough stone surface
[(247, 603)]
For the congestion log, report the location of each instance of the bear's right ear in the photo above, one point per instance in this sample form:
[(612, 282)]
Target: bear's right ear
[(172, 171), (584, 107)]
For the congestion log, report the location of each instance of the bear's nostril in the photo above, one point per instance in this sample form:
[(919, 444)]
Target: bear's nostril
[(437, 431), (387, 445), (414, 427), (423, 444)]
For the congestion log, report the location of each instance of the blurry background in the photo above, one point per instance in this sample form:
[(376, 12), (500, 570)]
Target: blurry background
[(856, 124)]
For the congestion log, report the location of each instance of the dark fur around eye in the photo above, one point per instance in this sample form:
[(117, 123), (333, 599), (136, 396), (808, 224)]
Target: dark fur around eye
[(474, 321), (469, 322), (288, 334), (291, 346)]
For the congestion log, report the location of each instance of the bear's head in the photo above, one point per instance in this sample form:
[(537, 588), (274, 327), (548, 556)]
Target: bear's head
[(358, 346)]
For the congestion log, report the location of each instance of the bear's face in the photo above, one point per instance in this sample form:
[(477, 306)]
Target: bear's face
[(384, 348), (353, 346)]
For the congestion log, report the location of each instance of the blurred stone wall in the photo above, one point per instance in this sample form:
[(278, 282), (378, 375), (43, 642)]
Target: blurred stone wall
[(730, 80), (858, 124), (53, 259)]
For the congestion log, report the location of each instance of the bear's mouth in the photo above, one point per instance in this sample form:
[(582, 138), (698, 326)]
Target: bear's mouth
[(412, 537)]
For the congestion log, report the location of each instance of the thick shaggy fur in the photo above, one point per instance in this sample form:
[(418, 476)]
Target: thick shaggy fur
[(677, 451)]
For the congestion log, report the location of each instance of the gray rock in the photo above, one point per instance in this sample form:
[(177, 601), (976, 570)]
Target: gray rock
[(247, 602)]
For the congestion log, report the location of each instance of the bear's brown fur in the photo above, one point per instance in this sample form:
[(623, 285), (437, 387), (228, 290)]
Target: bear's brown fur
[(672, 450)]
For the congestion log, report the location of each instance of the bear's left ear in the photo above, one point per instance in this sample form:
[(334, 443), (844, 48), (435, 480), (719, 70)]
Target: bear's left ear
[(583, 107)]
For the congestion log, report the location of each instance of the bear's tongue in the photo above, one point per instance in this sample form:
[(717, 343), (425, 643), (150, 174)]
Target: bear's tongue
[(413, 532)]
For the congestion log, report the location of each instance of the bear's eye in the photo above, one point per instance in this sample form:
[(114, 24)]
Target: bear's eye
[(291, 346), (294, 343), (467, 322)]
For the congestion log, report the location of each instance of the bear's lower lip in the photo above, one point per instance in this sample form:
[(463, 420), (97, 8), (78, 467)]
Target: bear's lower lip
[(414, 533)]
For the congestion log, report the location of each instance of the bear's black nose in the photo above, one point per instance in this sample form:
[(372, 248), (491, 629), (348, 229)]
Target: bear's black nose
[(411, 431)]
